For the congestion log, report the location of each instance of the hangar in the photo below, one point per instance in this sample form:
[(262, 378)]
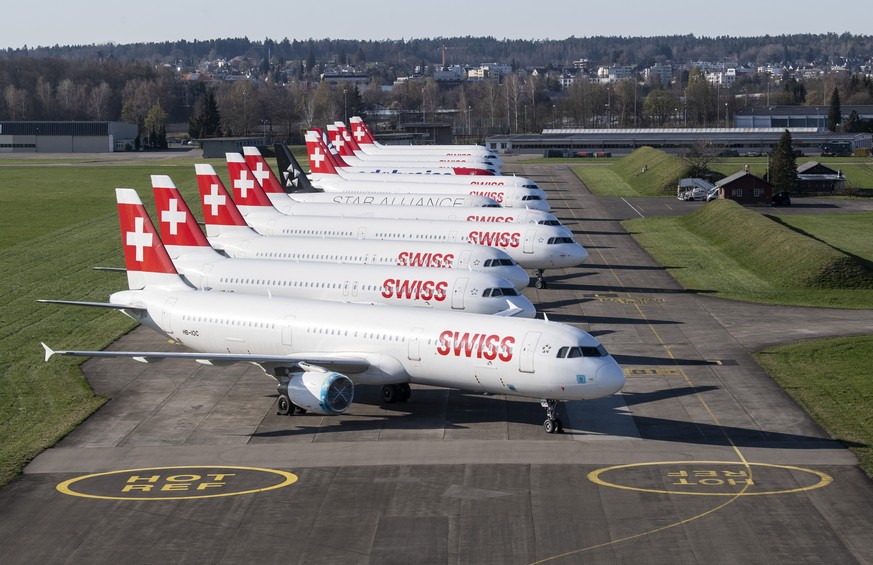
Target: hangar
[(66, 137), (738, 141)]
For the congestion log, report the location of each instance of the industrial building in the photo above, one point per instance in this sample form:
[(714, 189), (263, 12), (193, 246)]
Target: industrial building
[(67, 137), (734, 141)]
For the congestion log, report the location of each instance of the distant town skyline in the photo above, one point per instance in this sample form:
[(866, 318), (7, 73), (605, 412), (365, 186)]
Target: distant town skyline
[(55, 22)]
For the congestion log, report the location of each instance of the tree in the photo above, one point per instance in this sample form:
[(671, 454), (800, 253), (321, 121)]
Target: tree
[(783, 165), (208, 122), (835, 114), (699, 156)]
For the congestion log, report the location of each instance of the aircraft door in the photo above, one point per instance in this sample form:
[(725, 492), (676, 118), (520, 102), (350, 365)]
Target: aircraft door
[(204, 277), (453, 236), (465, 259), (354, 288), (529, 238), (528, 348), (458, 293), (415, 345), (167, 316), (287, 333), (346, 288), (362, 232)]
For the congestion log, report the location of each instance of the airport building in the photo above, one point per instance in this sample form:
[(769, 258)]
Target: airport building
[(67, 137), (737, 141)]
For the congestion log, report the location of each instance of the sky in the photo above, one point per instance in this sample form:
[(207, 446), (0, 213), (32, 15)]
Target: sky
[(63, 22)]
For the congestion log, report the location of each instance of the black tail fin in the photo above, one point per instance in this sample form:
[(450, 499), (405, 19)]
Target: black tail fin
[(292, 175)]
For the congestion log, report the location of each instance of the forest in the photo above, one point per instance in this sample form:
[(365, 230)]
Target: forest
[(162, 85)]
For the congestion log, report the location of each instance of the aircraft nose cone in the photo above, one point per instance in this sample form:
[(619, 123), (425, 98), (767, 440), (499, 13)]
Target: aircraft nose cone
[(610, 377), (518, 277)]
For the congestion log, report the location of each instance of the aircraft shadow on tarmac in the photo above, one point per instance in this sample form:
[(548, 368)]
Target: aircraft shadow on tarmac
[(648, 361), (441, 409), (583, 319)]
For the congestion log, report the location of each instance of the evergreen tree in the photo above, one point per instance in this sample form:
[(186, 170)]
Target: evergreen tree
[(783, 165), (835, 114)]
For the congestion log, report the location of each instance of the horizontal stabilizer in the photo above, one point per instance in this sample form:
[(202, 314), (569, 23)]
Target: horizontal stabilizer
[(513, 310), (91, 304), (111, 269)]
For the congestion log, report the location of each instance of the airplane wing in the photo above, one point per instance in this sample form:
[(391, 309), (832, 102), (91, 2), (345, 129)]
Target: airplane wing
[(339, 363)]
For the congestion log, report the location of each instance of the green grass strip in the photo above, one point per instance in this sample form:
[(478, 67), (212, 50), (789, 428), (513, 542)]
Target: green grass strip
[(831, 380)]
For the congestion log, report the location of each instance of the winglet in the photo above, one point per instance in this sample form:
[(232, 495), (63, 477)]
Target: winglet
[(48, 351)]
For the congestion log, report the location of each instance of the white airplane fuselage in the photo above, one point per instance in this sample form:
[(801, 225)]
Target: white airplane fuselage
[(423, 199), (422, 287), (498, 188), (465, 257), (453, 213), (532, 246), (512, 356)]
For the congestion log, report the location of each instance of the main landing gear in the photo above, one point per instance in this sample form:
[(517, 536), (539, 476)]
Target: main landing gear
[(553, 424), (541, 280), (396, 393), (285, 407)]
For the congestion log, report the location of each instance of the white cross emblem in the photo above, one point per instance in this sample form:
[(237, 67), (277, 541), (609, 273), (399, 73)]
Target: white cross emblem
[(214, 199), (359, 134), (243, 183), (261, 173), (338, 141), (174, 216), (317, 157), (139, 238)]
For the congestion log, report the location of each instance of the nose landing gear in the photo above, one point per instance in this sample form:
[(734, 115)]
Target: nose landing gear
[(541, 280)]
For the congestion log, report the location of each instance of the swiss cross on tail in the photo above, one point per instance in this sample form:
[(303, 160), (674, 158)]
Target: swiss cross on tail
[(246, 191), (218, 209), (318, 161), (143, 250), (261, 170), (347, 137), (359, 131), (177, 224)]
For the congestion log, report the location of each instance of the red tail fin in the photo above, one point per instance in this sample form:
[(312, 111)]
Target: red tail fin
[(246, 189), (145, 258), (319, 158), (339, 142), (262, 171), (361, 132), (218, 208), (347, 136), (177, 223)]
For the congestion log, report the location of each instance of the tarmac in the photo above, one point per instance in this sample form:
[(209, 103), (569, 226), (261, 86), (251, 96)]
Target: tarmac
[(701, 459)]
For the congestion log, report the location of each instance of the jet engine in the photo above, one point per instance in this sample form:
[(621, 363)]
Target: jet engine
[(321, 392)]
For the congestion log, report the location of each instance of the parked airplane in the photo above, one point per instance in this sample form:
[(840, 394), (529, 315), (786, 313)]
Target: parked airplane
[(426, 287), (346, 143), (291, 171), (351, 158), (296, 179), (367, 142), (228, 231), (307, 345), (532, 246), (443, 166), (241, 174), (326, 176)]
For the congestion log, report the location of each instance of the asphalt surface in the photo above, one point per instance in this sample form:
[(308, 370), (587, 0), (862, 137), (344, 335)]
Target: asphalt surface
[(701, 459)]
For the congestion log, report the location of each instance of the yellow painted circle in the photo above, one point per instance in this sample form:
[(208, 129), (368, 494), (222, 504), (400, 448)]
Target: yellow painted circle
[(596, 476), (176, 483)]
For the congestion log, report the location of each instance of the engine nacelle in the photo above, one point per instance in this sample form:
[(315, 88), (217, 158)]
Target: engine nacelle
[(321, 392)]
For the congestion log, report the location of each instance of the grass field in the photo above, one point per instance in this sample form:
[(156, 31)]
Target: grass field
[(831, 380), (58, 223)]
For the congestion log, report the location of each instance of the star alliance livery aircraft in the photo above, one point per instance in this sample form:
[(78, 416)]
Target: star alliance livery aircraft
[(318, 351)]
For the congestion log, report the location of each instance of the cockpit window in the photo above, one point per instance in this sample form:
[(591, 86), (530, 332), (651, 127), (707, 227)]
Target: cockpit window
[(549, 223), (499, 292), (581, 351), (531, 197), (557, 240), (498, 263), (529, 186)]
